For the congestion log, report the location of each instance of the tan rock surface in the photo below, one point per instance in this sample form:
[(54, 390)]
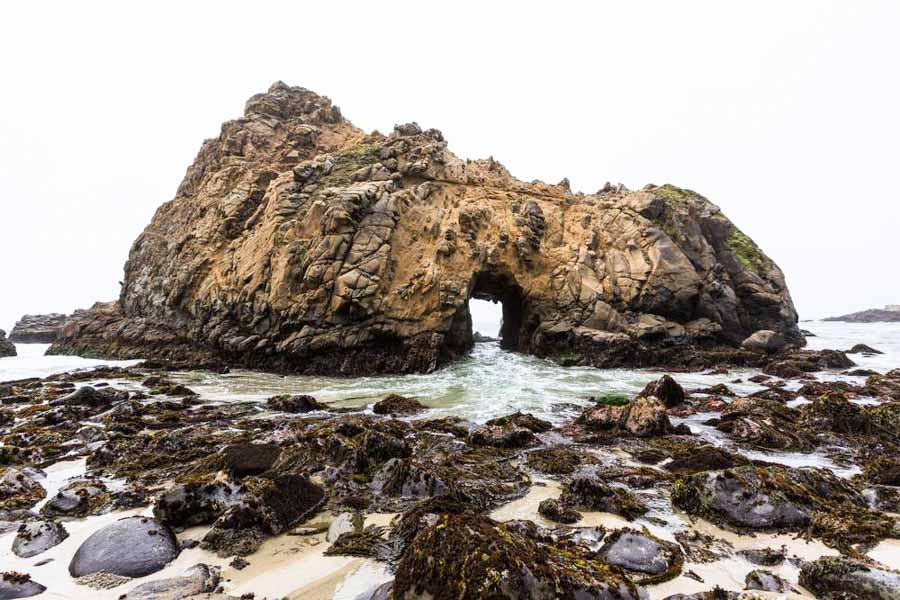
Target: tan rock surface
[(297, 242)]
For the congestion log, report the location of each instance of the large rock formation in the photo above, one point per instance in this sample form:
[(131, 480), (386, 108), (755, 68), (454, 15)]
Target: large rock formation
[(297, 242), (38, 329), (7, 348)]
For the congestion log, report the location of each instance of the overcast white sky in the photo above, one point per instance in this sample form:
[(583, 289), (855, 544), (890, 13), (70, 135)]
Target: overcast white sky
[(785, 114)]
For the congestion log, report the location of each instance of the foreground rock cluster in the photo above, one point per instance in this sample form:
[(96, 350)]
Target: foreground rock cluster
[(247, 472), (298, 243)]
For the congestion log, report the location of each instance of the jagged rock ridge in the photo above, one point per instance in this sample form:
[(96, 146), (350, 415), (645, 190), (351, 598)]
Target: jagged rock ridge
[(38, 329), (297, 242)]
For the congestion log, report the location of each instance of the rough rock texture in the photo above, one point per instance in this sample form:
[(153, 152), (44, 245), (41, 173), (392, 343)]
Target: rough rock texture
[(7, 348), (199, 579), (834, 577), (131, 547), (38, 329), (465, 557), (298, 243)]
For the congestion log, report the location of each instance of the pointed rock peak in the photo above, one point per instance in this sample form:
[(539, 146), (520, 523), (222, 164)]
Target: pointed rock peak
[(283, 101)]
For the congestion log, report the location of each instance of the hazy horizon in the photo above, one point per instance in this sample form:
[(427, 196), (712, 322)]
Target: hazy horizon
[(784, 115)]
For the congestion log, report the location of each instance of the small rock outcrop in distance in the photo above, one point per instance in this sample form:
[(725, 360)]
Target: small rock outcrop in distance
[(7, 348), (38, 329), (888, 314), (298, 243)]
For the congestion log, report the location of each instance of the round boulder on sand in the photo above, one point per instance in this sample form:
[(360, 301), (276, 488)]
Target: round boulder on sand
[(131, 547)]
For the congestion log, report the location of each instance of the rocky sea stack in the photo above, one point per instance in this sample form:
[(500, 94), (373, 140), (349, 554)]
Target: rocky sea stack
[(7, 348), (298, 243), (38, 329)]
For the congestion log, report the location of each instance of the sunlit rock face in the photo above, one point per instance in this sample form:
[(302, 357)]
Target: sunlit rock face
[(296, 242)]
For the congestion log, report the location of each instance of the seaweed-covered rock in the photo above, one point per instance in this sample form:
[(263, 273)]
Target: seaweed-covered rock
[(694, 459), (301, 403), (250, 459), (765, 557), (643, 417), (18, 489), (648, 559), (195, 503), (832, 412), (264, 507), (524, 420), (131, 547), (666, 390), (766, 581), (397, 405), (18, 585), (556, 511), (78, 498), (484, 475), (36, 537), (839, 578), (471, 557), (589, 493), (883, 470), (508, 435), (765, 423), (557, 461), (776, 497), (199, 579)]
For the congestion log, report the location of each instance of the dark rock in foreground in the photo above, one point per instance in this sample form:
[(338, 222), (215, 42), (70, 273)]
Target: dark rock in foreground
[(397, 405), (298, 404), (471, 557), (250, 459), (839, 578), (18, 585), (38, 329), (782, 498), (131, 547), (647, 558)]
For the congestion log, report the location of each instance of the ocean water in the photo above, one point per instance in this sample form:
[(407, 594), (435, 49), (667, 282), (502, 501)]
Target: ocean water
[(491, 382)]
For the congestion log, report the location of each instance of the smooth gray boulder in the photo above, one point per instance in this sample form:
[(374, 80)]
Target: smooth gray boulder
[(640, 552), (18, 585), (131, 547), (38, 536)]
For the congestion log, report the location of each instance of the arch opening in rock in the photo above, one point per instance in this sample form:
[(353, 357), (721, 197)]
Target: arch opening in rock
[(502, 289)]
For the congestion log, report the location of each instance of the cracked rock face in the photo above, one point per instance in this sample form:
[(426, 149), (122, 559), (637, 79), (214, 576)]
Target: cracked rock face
[(296, 242)]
